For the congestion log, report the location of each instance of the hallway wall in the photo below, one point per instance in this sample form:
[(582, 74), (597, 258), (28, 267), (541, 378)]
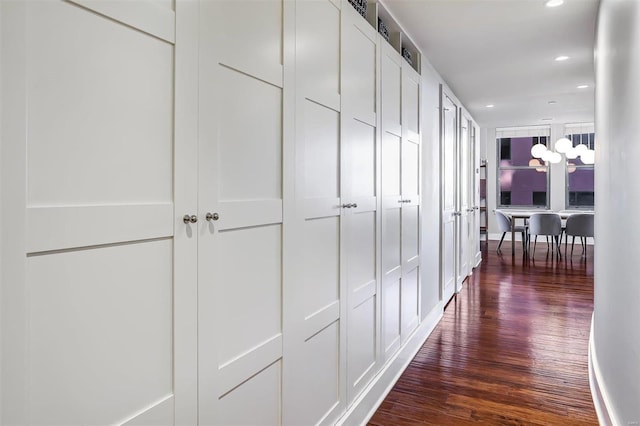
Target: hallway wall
[(615, 348)]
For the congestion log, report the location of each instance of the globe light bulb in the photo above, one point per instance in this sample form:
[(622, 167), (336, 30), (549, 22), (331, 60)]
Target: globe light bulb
[(538, 150), (563, 144), (555, 158), (588, 157), (571, 154), (581, 148)]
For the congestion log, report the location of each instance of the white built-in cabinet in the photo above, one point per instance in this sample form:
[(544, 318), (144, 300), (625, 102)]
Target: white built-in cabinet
[(216, 209), (400, 94)]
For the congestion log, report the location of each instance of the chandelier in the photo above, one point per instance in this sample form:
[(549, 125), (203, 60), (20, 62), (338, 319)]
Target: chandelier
[(562, 146)]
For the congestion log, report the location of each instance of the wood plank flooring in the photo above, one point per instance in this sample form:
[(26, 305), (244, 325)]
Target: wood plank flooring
[(510, 349)]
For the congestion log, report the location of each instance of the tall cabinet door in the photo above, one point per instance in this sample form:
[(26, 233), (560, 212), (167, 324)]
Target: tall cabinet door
[(96, 316), (240, 206), (315, 314), (410, 200), (392, 144), (360, 174), (464, 229), (449, 113)]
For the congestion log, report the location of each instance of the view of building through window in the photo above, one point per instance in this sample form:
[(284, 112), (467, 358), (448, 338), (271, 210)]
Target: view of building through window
[(522, 183)]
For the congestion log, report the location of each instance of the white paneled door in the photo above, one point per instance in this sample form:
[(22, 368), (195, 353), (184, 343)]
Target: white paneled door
[(360, 183), (99, 304), (240, 205), (392, 202), (315, 318), (449, 113), (410, 313)]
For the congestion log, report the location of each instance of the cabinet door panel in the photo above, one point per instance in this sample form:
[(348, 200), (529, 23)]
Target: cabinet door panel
[(315, 348), (100, 305), (241, 179), (361, 181)]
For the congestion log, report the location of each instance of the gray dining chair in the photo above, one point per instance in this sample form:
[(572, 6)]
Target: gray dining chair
[(547, 224), (579, 225), (504, 225)]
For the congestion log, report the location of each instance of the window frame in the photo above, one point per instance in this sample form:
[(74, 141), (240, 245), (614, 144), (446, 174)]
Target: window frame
[(569, 132), (512, 134)]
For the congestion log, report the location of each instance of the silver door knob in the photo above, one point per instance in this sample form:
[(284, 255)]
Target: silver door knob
[(347, 206), (354, 205), (190, 219), (212, 216)]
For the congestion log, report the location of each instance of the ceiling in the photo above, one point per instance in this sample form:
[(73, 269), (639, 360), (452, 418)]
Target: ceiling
[(502, 53)]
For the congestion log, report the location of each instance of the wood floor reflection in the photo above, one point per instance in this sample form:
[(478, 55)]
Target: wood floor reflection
[(510, 349)]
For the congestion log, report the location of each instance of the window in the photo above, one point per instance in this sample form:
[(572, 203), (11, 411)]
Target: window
[(580, 182), (522, 180)]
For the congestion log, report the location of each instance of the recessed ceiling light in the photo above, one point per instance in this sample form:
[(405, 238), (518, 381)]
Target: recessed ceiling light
[(561, 58), (547, 119), (583, 86), (552, 102), (490, 106), (554, 3)]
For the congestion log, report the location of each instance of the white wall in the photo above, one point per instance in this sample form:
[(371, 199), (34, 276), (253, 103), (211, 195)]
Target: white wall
[(616, 333)]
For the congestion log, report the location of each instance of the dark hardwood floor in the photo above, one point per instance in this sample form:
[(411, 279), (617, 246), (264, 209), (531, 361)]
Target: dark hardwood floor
[(510, 349)]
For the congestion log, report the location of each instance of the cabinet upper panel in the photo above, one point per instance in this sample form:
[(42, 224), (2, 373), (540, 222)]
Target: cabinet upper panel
[(100, 110), (318, 51), (249, 138), (359, 73), (391, 93), (410, 104), (321, 151), (248, 35)]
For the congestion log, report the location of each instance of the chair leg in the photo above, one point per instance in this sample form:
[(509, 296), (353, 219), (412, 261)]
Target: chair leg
[(500, 244), (573, 240), (558, 238), (535, 240), (566, 243)]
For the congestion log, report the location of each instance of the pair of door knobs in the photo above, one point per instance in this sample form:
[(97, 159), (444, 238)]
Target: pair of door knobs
[(193, 218)]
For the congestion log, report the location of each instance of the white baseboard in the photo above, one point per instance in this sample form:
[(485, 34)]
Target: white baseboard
[(365, 406), (478, 259), (601, 401)]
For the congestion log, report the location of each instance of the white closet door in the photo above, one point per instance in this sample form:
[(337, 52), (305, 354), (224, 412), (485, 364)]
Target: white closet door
[(410, 200), (315, 346), (360, 177), (241, 188), (391, 94), (449, 213), (100, 215), (462, 268)]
